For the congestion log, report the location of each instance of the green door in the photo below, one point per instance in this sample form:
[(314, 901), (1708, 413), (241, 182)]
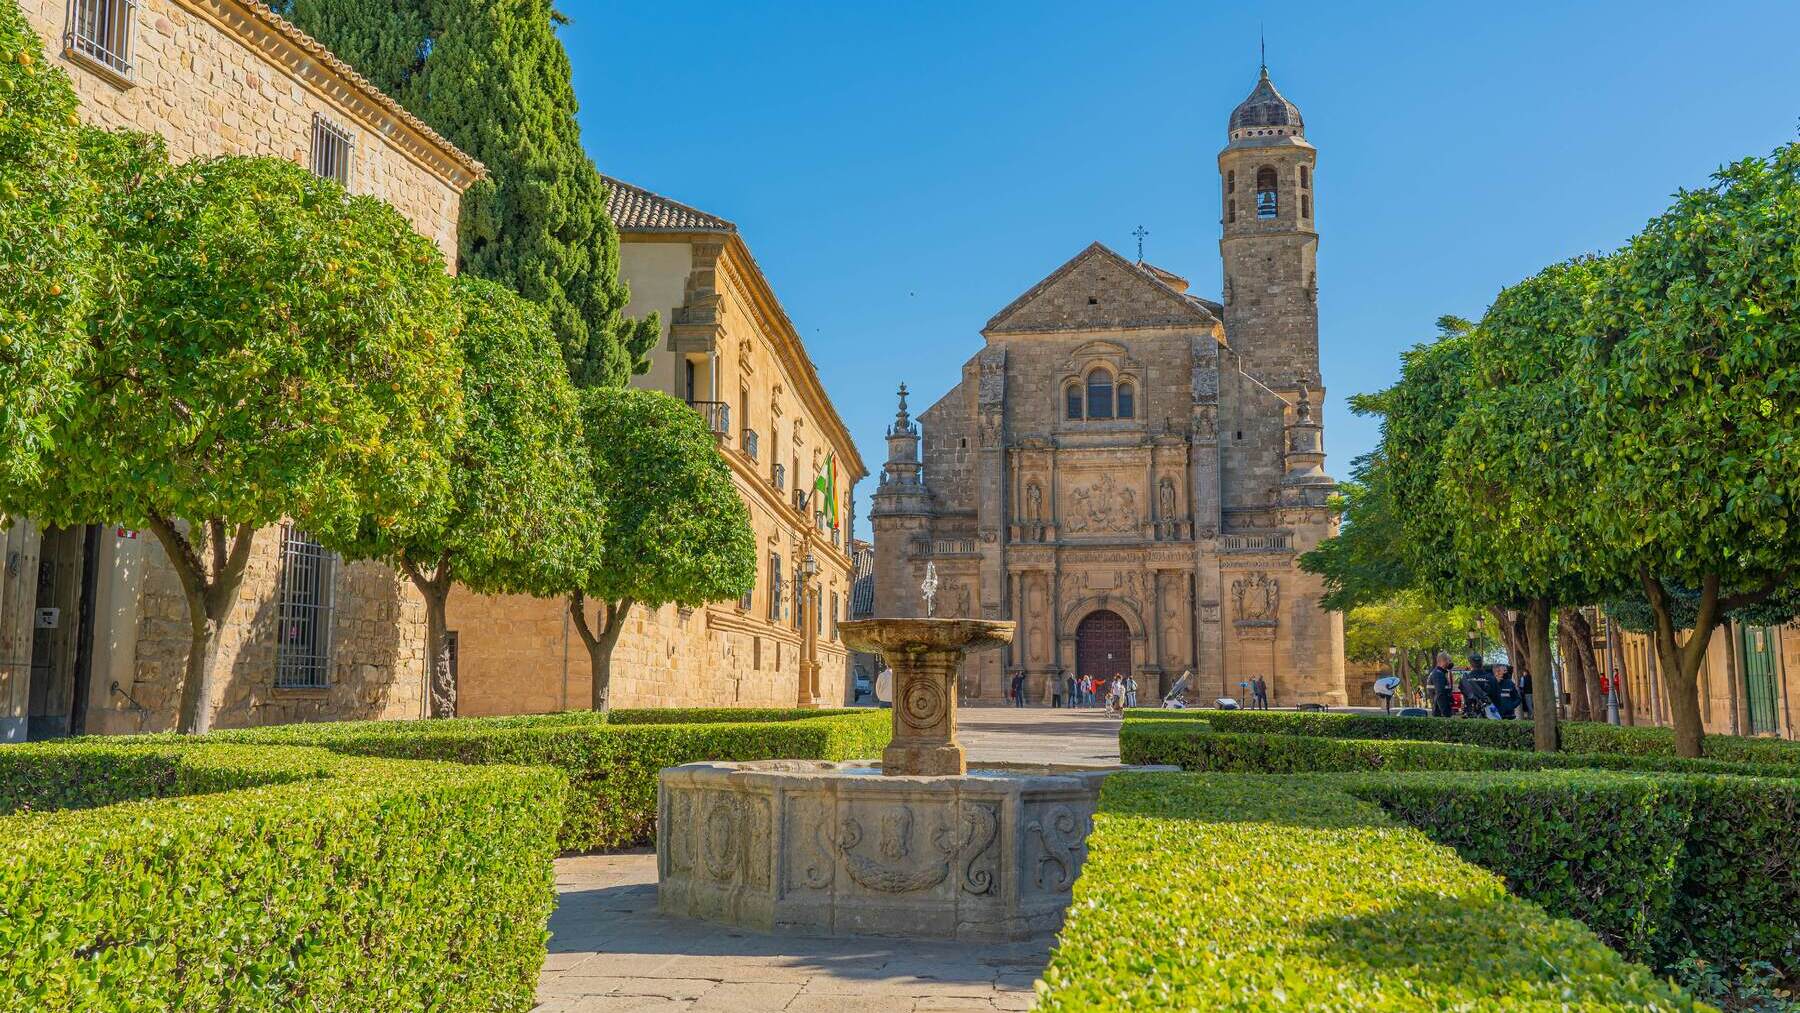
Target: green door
[(1758, 654)]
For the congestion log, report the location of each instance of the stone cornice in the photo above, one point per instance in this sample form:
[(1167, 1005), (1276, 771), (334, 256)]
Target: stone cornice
[(280, 44)]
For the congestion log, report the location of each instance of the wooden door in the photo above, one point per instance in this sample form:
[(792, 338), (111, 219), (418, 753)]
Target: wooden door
[(1758, 654), (1102, 646)]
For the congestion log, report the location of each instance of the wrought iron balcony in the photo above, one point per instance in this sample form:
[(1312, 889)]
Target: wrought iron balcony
[(749, 444), (778, 476), (717, 415)]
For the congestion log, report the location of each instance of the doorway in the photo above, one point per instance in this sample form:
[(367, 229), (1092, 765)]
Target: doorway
[(62, 631), (1760, 696), (1102, 646)]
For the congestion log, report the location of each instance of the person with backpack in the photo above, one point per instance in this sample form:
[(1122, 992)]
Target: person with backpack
[(1506, 693)]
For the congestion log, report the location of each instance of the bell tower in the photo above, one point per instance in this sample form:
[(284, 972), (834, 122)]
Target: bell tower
[(1270, 240)]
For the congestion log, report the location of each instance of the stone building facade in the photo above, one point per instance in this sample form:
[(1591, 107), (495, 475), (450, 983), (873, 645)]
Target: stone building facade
[(728, 349), (93, 627), (1749, 682), (1130, 471)]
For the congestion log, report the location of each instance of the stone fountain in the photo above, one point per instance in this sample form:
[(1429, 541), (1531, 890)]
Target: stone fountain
[(920, 847)]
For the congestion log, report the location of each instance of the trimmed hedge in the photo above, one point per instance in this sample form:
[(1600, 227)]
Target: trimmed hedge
[(611, 766), (1233, 892), (302, 880), (1659, 866), (1577, 736), (1192, 746)]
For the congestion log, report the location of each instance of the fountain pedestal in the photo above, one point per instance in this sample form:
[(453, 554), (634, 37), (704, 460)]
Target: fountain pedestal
[(926, 656)]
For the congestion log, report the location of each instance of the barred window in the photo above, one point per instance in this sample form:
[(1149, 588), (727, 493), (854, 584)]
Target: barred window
[(100, 32), (775, 585), (303, 612), (331, 146)]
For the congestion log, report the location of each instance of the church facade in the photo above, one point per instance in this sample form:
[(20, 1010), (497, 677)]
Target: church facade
[(1130, 471)]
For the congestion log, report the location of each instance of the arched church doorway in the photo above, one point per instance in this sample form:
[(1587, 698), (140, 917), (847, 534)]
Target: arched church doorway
[(1102, 645)]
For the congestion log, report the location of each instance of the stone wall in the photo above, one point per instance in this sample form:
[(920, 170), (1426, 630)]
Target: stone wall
[(218, 77), (377, 645), (1721, 679)]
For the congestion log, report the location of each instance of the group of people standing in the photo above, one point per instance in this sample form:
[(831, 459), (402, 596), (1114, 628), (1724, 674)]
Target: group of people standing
[(1488, 691), (1073, 690)]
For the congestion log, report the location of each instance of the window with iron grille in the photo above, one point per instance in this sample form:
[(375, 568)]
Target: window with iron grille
[(331, 146), (100, 32), (303, 612), (775, 586)]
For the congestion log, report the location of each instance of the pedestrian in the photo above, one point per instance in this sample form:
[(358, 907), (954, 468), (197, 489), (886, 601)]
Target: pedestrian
[(1262, 694), (1115, 696), (1490, 686), (1072, 686), (1018, 689), (1525, 698), (1438, 683), (1506, 692), (1385, 688), (1056, 691), (1130, 691)]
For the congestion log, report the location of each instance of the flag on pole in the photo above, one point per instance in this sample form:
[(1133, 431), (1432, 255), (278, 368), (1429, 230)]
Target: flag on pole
[(826, 486)]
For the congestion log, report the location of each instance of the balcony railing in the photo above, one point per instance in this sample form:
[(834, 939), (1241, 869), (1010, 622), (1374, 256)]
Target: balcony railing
[(1276, 541), (717, 415), (778, 476), (799, 498), (749, 444)]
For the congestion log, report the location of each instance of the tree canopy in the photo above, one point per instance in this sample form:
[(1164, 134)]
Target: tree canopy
[(48, 248), (494, 79)]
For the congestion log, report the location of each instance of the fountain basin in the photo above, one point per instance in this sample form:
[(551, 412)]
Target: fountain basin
[(836, 848)]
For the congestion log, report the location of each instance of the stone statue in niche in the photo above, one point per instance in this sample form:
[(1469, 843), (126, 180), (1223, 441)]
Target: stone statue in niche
[(962, 602), (1258, 597), (1165, 493)]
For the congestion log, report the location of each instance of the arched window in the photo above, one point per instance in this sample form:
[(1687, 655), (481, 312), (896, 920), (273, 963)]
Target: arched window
[(1306, 205), (1127, 401), (1100, 394), (1305, 178), (1266, 201), (1072, 397)]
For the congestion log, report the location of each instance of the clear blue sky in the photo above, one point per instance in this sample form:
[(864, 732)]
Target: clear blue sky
[(902, 171)]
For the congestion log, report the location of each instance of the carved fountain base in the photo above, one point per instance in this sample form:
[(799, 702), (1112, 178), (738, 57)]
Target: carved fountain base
[(829, 848)]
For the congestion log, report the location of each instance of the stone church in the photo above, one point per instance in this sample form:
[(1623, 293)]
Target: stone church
[(1130, 471)]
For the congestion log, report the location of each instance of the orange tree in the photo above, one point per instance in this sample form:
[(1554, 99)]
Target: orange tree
[(1694, 387), (674, 528), (517, 510), (1514, 467), (264, 345)]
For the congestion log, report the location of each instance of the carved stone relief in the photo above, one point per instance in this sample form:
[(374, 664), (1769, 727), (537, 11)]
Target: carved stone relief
[(1105, 506), (1258, 597), (1054, 862), (992, 390)]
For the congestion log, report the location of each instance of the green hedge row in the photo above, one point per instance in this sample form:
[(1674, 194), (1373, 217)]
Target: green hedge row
[(1231, 892), (301, 879), (1193, 746), (1660, 866), (611, 765), (1577, 736)]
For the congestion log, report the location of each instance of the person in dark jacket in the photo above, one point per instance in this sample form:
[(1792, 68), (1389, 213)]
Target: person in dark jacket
[(1475, 698), (1525, 694), (1506, 692), (1437, 683)]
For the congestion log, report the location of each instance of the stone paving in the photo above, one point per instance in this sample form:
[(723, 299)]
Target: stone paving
[(610, 951)]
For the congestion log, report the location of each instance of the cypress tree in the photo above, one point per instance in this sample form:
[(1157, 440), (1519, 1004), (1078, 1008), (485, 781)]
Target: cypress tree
[(493, 78)]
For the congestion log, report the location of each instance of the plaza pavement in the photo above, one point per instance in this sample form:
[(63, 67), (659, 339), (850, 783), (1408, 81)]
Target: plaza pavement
[(611, 952)]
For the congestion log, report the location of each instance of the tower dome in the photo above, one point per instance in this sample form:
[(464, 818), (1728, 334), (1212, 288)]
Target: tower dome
[(1266, 112)]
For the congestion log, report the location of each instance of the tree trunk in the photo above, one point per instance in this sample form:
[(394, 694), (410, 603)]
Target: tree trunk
[(1680, 661), (600, 645), (211, 593), (434, 587), (1584, 650), (1573, 673), (1508, 623), (1543, 681)]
